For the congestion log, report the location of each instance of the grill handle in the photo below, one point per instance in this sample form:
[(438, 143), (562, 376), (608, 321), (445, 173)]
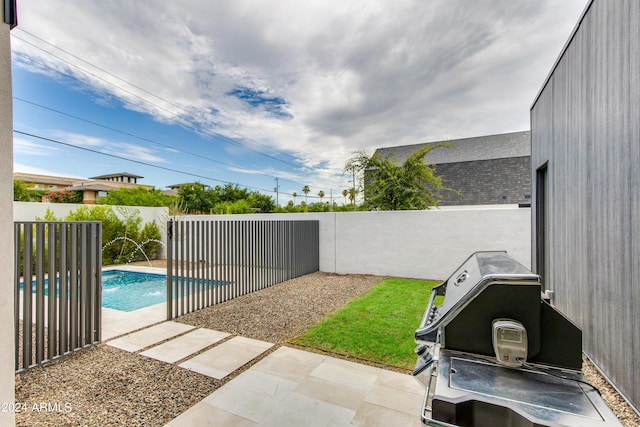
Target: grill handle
[(427, 312), (426, 333)]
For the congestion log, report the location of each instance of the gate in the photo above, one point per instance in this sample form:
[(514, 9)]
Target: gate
[(57, 290)]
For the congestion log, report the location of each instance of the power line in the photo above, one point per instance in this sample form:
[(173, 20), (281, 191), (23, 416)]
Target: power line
[(187, 124), (141, 162), (133, 135), (137, 87), (132, 160)]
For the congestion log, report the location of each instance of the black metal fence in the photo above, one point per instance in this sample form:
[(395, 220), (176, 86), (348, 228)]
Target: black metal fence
[(212, 261), (57, 289)]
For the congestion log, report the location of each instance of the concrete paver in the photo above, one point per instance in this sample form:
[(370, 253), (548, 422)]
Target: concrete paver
[(225, 358), (149, 336), (291, 387), (185, 345)]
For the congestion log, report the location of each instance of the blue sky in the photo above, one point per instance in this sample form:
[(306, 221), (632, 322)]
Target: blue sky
[(247, 91)]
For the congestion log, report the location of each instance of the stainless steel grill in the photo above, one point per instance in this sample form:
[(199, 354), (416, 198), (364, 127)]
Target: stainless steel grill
[(496, 353)]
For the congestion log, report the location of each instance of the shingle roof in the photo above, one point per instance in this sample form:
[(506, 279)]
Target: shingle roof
[(507, 145)]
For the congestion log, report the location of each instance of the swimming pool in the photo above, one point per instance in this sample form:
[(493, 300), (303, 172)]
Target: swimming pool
[(130, 290)]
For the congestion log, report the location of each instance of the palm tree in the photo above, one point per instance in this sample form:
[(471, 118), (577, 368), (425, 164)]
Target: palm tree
[(352, 195), (306, 191), (294, 197), (345, 193), (321, 195)]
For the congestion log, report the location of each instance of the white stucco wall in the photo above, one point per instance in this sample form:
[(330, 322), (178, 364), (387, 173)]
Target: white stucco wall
[(427, 244), (416, 244), (29, 211), (6, 229)]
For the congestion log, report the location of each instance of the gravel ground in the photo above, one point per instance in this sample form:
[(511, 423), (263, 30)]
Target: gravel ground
[(283, 311), (104, 386)]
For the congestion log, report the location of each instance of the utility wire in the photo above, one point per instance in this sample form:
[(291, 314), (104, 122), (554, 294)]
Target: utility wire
[(138, 87), (187, 124), (143, 163), (132, 160), (200, 156)]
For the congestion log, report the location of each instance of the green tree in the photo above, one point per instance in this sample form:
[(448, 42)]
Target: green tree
[(306, 190), (138, 196), (261, 202), (294, 194), (194, 198), (321, 195), (345, 193), (412, 185), (22, 193), (355, 167)]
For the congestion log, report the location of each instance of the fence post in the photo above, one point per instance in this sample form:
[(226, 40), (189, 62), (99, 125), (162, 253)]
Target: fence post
[(169, 269)]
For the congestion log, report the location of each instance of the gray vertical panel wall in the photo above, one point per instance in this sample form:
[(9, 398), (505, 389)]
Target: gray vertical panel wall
[(56, 326), (216, 260), (586, 124)]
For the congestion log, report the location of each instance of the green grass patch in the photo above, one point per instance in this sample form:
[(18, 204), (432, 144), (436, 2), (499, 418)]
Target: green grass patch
[(377, 326)]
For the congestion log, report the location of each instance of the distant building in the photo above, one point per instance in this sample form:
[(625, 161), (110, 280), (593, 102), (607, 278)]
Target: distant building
[(123, 177), (486, 170), (92, 189), (45, 182)]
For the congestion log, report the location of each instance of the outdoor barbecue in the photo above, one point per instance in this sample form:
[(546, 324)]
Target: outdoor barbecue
[(497, 353)]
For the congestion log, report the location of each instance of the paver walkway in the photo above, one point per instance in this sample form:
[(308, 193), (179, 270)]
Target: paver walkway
[(289, 387)]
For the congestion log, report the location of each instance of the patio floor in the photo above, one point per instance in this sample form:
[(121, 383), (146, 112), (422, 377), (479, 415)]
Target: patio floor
[(288, 387)]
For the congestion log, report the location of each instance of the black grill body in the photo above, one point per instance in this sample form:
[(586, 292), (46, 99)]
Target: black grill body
[(466, 385)]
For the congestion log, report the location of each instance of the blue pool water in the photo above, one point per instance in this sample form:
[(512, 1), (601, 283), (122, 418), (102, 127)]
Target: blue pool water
[(128, 290)]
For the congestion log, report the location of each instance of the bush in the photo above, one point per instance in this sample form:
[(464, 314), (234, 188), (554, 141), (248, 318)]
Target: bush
[(121, 239), (65, 197)]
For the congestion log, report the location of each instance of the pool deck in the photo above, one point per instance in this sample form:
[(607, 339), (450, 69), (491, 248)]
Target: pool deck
[(287, 387)]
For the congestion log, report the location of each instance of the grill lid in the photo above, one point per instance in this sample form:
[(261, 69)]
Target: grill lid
[(478, 269)]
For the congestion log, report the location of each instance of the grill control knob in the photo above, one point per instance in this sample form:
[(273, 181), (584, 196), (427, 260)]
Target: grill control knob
[(421, 349)]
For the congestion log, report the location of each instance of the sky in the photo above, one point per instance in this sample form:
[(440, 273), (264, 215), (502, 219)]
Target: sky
[(265, 93)]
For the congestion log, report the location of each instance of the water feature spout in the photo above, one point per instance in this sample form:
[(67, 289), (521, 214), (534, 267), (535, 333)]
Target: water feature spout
[(138, 247)]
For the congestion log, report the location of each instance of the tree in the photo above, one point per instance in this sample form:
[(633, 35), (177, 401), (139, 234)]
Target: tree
[(294, 194), (321, 195), (306, 190), (261, 202), (356, 166), (388, 186), (138, 196), (345, 193), (352, 195), (22, 193), (194, 198)]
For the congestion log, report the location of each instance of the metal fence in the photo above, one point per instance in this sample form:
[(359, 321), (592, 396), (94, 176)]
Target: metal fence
[(212, 261), (52, 259)]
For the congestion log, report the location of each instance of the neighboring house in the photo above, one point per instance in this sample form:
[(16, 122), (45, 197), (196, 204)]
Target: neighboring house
[(585, 139), (486, 170), (122, 177), (44, 182), (92, 188)]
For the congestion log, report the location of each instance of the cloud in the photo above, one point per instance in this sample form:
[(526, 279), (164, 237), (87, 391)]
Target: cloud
[(19, 167), (22, 146), (314, 79), (117, 148)]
